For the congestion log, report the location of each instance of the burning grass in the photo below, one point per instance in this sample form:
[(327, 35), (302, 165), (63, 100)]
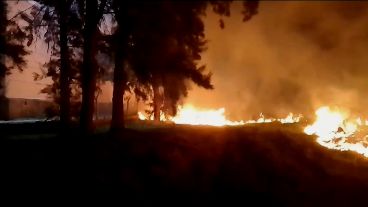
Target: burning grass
[(191, 115), (334, 128)]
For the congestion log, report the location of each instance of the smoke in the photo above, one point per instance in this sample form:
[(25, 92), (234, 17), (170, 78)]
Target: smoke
[(290, 57)]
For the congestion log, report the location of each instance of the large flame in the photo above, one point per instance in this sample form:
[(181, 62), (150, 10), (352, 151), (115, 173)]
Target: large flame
[(335, 130), (189, 114)]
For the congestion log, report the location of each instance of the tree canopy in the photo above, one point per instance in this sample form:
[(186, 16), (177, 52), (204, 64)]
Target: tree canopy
[(154, 49), (12, 45)]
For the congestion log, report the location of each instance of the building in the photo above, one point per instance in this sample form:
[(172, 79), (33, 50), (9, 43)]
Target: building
[(16, 108)]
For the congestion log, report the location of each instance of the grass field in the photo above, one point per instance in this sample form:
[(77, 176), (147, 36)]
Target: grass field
[(185, 165)]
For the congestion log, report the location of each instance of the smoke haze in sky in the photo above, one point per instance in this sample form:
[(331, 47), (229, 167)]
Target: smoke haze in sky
[(291, 56)]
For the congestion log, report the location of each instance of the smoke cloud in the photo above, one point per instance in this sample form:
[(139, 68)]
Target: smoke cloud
[(290, 57)]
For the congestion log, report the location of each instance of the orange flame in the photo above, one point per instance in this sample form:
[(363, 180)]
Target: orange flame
[(191, 115), (334, 130), (291, 118)]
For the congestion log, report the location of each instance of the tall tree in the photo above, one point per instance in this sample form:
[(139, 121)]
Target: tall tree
[(63, 7), (124, 19), (3, 23), (167, 49), (12, 48), (94, 11), (161, 57), (163, 42), (73, 54), (57, 22), (12, 52)]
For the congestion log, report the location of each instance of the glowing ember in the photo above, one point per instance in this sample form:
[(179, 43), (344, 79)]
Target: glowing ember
[(335, 131), (261, 119), (141, 116), (288, 120), (215, 117)]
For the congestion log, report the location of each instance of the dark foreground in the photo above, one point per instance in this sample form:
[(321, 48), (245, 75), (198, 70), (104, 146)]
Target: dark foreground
[(182, 166)]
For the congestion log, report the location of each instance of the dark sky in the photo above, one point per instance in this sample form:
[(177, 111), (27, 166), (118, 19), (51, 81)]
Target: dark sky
[(291, 56)]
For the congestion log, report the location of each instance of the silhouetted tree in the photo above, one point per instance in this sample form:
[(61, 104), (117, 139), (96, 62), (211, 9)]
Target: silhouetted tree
[(58, 22), (93, 14), (124, 16), (161, 43), (12, 48), (168, 40), (73, 53), (159, 57), (62, 6)]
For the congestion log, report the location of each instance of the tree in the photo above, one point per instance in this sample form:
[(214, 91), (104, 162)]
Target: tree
[(168, 43), (63, 7), (161, 43), (124, 19), (12, 52), (93, 14), (12, 48), (73, 54), (160, 58), (57, 22)]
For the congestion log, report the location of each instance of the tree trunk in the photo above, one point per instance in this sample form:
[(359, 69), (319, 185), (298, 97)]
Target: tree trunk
[(117, 121), (64, 67), (156, 102), (96, 108), (121, 40), (3, 24), (4, 104), (2, 77), (127, 105), (89, 68)]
